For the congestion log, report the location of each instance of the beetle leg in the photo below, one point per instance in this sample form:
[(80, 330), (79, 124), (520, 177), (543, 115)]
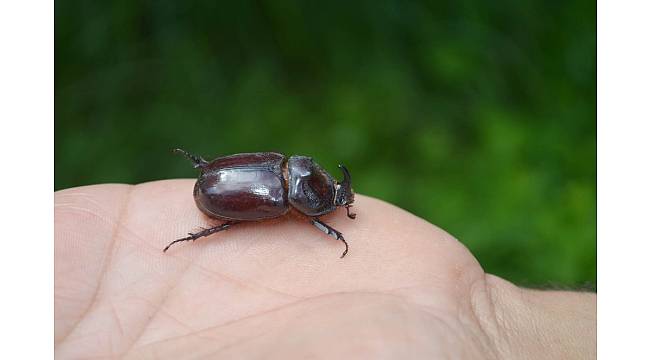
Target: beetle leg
[(330, 231), (198, 161), (202, 233)]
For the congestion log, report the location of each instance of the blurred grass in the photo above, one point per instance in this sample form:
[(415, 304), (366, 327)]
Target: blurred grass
[(477, 116)]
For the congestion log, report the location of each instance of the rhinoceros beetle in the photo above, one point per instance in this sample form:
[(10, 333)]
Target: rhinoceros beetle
[(266, 185)]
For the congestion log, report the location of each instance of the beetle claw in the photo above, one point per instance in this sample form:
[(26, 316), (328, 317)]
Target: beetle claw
[(346, 247), (350, 215)]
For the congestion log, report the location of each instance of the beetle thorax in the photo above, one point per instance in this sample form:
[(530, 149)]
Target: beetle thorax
[(311, 189)]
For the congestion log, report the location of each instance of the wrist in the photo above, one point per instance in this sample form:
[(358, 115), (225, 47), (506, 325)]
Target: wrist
[(542, 324)]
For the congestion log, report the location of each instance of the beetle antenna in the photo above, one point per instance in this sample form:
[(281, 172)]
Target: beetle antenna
[(198, 161)]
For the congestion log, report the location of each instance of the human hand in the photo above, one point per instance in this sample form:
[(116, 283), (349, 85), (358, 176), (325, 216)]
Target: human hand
[(278, 289)]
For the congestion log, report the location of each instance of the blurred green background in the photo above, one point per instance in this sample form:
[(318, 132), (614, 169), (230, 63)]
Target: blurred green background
[(478, 116)]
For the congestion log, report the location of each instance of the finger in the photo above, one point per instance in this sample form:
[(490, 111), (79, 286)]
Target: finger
[(249, 268), (381, 236)]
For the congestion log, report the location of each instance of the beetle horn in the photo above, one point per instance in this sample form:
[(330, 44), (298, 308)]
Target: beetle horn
[(344, 193), (347, 179)]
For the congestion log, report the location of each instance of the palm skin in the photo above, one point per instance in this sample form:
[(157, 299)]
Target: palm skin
[(273, 289)]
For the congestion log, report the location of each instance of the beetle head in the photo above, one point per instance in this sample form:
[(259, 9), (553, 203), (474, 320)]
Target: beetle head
[(344, 193)]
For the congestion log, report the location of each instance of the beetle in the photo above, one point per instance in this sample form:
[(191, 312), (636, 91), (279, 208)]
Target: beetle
[(266, 185)]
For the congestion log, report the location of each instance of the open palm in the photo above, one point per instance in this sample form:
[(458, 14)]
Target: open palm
[(273, 289)]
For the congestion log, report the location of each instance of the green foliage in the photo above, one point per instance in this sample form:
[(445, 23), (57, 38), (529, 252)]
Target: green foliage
[(478, 116)]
